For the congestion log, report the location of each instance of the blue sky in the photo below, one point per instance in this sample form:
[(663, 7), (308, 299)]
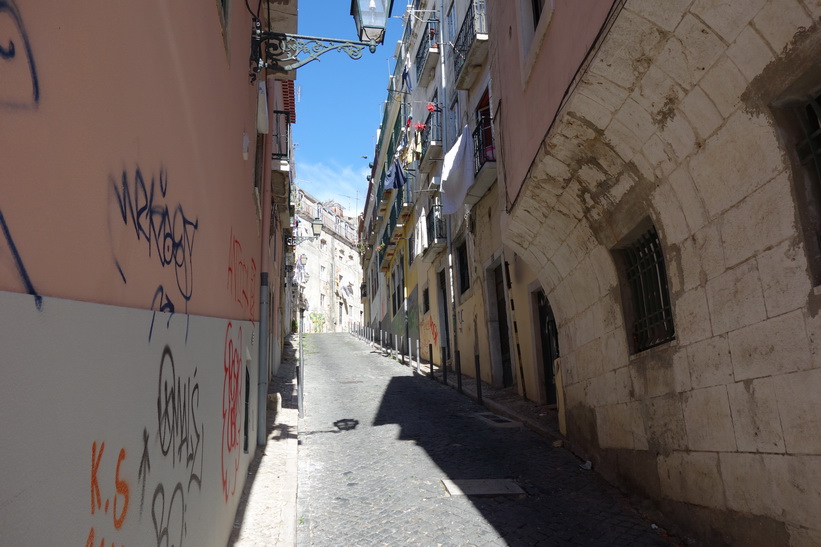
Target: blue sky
[(340, 105)]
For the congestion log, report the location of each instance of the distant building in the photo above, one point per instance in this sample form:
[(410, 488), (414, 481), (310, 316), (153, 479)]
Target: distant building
[(327, 271)]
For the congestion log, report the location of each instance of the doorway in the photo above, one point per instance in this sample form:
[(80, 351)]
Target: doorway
[(503, 333), (549, 338), (444, 339)]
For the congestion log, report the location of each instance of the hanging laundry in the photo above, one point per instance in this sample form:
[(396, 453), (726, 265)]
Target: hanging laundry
[(395, 177), (457, 172), (406, 79)]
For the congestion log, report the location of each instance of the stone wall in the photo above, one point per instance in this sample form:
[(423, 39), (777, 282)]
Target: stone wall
[(677, 119)]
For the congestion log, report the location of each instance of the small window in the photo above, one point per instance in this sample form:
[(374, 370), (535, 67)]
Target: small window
[(425, 301), (646, 298), (463, 266), (411, 248)]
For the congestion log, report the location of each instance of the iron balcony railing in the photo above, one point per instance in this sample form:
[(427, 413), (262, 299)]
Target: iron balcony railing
[(430, 40), (484, 150), (281, 141), (432, 131), (436, 225), (475, 23)]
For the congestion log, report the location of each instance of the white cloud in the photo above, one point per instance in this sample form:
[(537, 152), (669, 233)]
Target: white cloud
[(345, 184)]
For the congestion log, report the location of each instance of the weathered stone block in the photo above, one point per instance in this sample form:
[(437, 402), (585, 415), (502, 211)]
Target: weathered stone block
[(631, 38), (673, 221), (624, 384), (660, 155), (799, 406), (665, 424), (587, 108), (658, 95), (623, 141), (748, 483), (775, 346), (702, 257), (710, 363), (741, 157), (692, 316), (750, 53), (736, 298), (727, 19), (666, 15), (680, 136), (777, 22), (681, 372), (708, 419), (797, 481), (692, 477), (691, 50), (724, 85), (756, 420), (613, 423), (784, 278), (702, 113), (637, 426), (691, 203), (759, 221)]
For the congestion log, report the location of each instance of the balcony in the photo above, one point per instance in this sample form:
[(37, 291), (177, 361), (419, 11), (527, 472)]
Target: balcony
[(431, 141), (427, 56), (281, 162), (471, 47), (484, 161), (436, 235)]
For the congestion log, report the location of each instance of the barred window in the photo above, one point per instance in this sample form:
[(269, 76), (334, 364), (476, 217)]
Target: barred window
[(463, 267), (648, 313)]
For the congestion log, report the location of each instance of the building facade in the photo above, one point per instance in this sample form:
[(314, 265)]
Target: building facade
[(139, 336), (326, 269), (636, 243)]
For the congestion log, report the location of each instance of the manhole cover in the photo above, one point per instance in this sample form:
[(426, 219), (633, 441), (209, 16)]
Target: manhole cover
[(482, 487), (496, 420)]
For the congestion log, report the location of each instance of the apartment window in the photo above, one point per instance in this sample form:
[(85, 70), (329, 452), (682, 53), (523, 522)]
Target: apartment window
[(223, 10), (412, 247), (425, 301), (463, 266), (321, 300), (537, 7), (453, 120), (646, 298)]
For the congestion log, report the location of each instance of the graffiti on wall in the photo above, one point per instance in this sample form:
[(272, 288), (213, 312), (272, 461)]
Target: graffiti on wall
[(432, 330), (231, 403), (242, 277), (18, 262), (317, 321), (109, 498), (19, 85), (180, 436), (166, 231)]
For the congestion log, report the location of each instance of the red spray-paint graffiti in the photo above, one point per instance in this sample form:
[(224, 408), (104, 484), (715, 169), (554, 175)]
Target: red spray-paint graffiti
[(231, 397), (242, 278)]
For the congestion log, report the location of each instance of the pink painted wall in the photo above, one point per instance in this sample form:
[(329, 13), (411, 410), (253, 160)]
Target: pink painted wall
[(138, 100), (571, 32)]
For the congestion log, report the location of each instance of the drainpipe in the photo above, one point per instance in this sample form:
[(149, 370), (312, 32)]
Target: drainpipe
[(265, 259)]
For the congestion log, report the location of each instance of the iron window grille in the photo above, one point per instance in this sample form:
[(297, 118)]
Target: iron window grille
[(475, 22), (464, 273), (430, 40), (436, 225), (652, 323)]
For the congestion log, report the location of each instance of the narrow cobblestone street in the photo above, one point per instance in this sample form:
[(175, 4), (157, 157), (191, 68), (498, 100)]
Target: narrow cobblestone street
[(377, 440)]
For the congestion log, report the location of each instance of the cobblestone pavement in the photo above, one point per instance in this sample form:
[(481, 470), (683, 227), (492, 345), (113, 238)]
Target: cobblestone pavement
[(378, 439)]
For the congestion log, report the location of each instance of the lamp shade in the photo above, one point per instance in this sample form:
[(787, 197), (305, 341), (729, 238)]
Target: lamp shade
[(371, 17), (316, 226)]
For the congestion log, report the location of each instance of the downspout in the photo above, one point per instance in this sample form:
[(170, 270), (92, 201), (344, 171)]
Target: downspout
[(264, 295)]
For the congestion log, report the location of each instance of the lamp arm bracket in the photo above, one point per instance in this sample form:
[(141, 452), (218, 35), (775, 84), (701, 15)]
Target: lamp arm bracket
[(283, 51)]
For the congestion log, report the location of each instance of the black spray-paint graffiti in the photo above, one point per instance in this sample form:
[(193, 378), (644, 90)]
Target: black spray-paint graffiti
[(167, 231), (19, 85), (180, 436), (18, 262)]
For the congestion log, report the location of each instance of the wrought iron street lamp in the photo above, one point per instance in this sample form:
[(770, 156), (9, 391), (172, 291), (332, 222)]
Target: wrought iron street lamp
[(316, 228), (282, 51)]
